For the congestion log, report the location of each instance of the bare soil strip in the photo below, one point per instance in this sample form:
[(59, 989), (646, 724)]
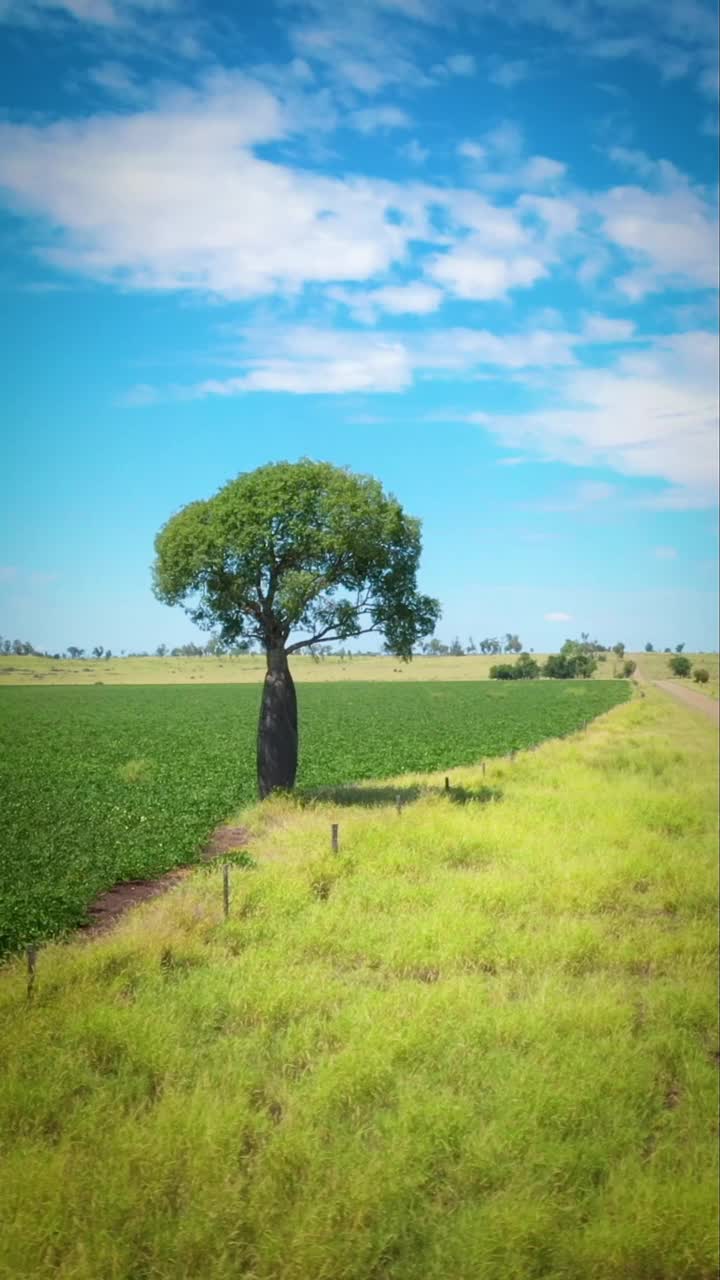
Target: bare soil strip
[(109, 907)]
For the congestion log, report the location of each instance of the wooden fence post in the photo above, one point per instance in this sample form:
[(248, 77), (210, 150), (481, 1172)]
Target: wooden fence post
[(334, 837), (398, 803), (447, 784), (31, 968)]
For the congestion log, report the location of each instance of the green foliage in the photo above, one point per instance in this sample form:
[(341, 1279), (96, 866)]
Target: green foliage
[(290, 547), (526, 668), (629, 668), (701, 675), (619, 649), (679, 647), (576, 660), (648, 647), (107, 784), (680, 665), (480, 1044)]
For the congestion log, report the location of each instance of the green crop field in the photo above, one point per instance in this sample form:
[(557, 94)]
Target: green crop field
[(105, 784)]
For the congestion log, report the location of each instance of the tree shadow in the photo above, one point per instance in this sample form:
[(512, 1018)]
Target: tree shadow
[(399, 796)]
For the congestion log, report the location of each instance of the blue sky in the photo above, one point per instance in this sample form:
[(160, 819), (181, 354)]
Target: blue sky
[(467, 246)]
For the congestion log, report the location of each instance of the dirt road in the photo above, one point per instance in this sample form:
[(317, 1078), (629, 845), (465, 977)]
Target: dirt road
[(698, 701)]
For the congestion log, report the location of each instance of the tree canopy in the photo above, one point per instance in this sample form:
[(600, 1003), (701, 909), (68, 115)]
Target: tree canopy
[(297, 547)]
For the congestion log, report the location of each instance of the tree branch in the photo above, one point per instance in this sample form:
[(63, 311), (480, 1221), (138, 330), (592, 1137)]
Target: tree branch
[(323, 635)]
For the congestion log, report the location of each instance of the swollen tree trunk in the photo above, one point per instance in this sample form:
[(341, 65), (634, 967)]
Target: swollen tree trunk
[(277, 742)]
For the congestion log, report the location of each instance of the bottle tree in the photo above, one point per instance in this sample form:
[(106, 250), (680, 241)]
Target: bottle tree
[(290, 555)]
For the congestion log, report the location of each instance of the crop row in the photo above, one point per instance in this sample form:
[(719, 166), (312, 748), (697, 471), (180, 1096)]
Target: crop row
[(107, 784)]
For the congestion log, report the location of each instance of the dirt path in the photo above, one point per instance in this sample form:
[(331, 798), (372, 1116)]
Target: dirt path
[(698, 701), (109, 907)]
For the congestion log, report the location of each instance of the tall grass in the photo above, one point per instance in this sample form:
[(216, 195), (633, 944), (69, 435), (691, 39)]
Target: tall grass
[(480, 1043)]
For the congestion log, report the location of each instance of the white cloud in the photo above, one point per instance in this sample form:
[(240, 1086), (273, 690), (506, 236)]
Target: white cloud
[(100, 13), (323, 362), (592, 266), (468, 272), (539, 170), (557, 617), (607, 329), (372, 119), (357, 47), (677, 38), (305, 359), (666, 553), (471, 150), (8, 573), (174, 198), (651, 414), (510, 73), (672, 235), (116, 80), (559, 215), (497, 160), (415, 298)]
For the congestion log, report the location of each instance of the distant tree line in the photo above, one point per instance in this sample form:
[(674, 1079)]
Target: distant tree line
[(574, 659), (17, 647)]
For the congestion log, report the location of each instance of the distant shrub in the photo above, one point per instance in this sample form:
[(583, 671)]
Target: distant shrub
[(629, 668), (602, 657), (526, 668), (680, 665), (701, 675), (559, 667), (572, 663)]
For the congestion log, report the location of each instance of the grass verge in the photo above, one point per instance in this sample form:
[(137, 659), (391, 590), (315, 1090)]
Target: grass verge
[(479, 1043)]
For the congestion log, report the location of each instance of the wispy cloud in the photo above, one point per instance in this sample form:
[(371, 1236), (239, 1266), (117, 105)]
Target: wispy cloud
[(666, 553), (652, 413), (509, 74), (557, 617), (457, 64), (375, 119)]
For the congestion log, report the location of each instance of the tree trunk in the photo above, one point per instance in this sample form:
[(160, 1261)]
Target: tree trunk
[(277, 742)]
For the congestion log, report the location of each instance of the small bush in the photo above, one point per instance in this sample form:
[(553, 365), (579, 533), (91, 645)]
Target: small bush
[(576, 659), (700, 675), (680, 665), (526, 668), (629, 668)]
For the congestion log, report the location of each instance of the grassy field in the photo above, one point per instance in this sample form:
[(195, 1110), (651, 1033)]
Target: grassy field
[(247, 670), (101, 785), (251, 669), (654, 666), (479, 1044)]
